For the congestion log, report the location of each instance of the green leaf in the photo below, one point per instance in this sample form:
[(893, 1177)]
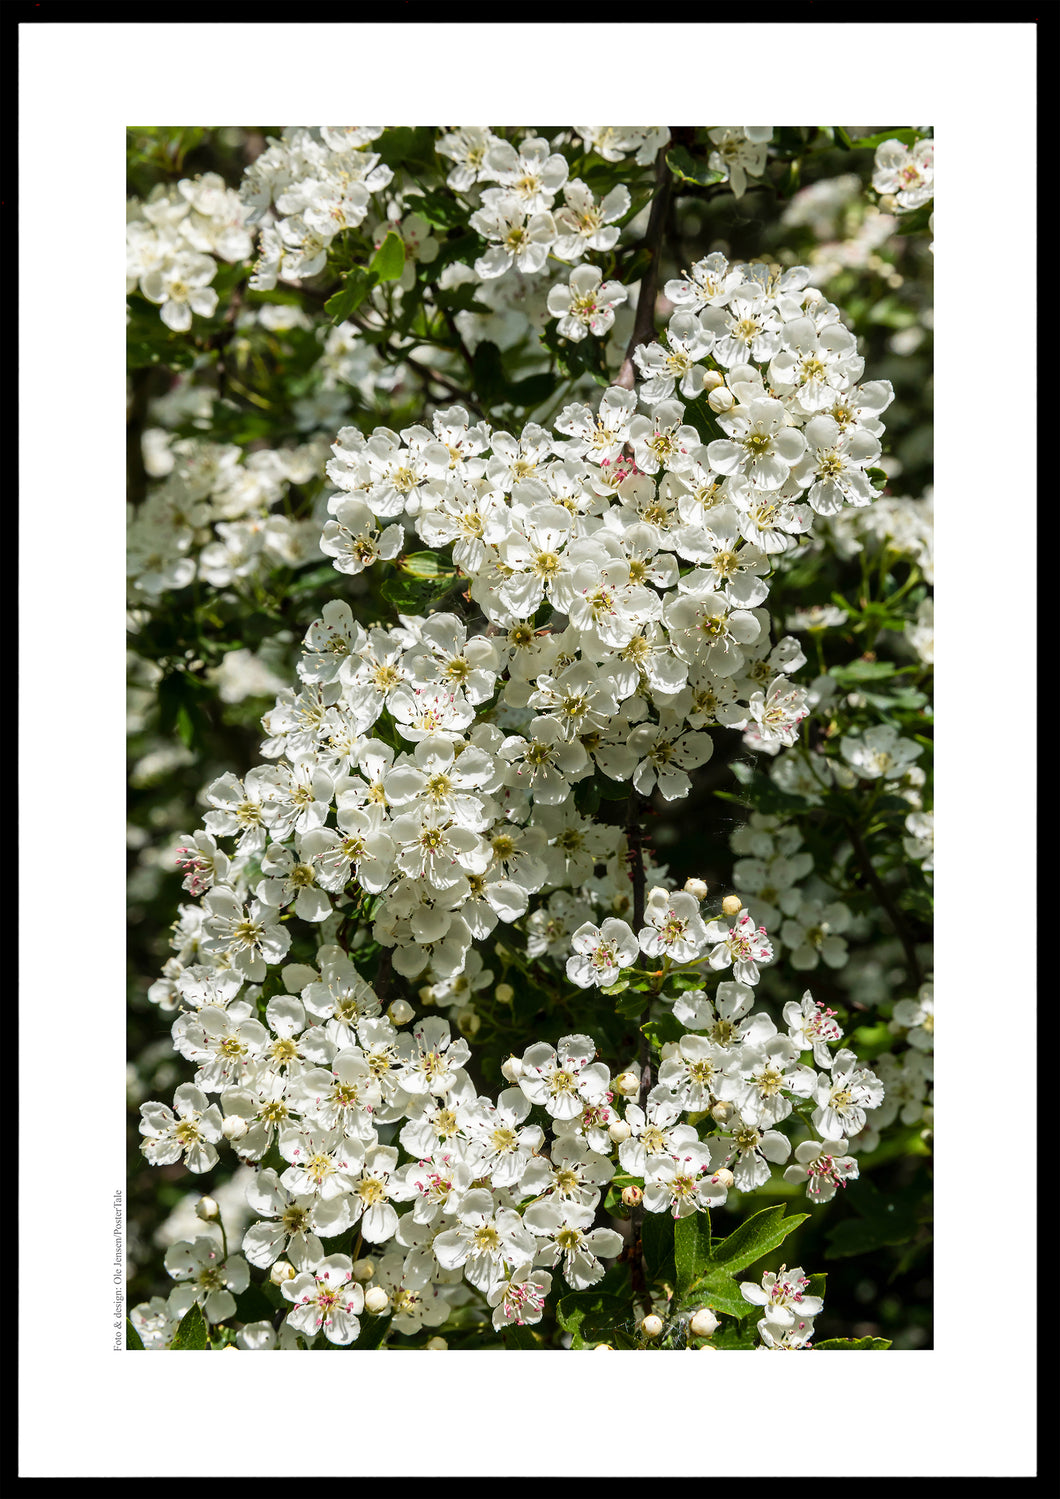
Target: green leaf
[(877, 477), (662, 1030), (428, 565), (633, 1002), (388, 262), (908, 137), (406, 146), (834, 1344), (730, 1337), (355, 288), (691, 1249), (408, 595), (373, 1332), (916, 222), (755, 1237), (133, 1341), (686, 168), (657, 1246), (440, 209), (718, 1290), (863, 671), (520, 1337), (591, 1318), (190, 1336)]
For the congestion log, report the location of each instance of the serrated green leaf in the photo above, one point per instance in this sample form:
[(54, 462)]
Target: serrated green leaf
[(904, 134), (373, 1332), (439, 209), (632, 1002), (133, 1341), (686, 168), (833, 1345), (662, 1030), (388, 262), (348, 298), (755, 1237), (520, 1337), (731, 1337), (718, 1290), (657, 1246), (191, 1335), (863, 671), (428, 565), (692, 1243), (591, 1317)]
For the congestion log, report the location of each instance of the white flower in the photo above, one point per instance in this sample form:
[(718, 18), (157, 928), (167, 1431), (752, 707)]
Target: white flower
[(743, 944), (843, 1098), (906, 173), (822, 1167), (587, 305), (563, 1079), (520, 1299), (208, 1279), (601, 952), (561, 1231), (783, 1293), (191, 1132), (326, 1299)]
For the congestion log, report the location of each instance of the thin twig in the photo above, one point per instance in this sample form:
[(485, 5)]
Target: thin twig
[(644, 323)]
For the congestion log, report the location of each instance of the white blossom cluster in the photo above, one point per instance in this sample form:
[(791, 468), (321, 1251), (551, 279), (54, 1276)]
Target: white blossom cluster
[(214, 516), (485, 1195), (174, 240), (419, 789), (306, 187)]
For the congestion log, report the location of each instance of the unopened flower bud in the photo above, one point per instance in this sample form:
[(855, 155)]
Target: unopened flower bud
[(468, 1021), (632, 1196), (721, 400), (698, 888), (436, 1344), (504, 994), (628, 1084), (722, 1111), (732, 905), (400, 1012), (427, 995), (651, 1326), (234, 1128), (207, 1210), (724, 1178), (376, 1300), (282, 1270), (704, 1323), (512, 1069), (603, 1348), (712, 379), (619, 1131), (363, 1269)]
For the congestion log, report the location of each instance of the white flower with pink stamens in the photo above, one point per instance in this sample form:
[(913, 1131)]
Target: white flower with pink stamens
[(743, 944)]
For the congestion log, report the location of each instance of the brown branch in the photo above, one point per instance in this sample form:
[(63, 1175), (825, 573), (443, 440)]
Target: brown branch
[(644, 323)]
